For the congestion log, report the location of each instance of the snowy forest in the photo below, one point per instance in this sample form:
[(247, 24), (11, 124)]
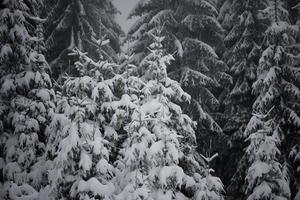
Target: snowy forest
[(200, 100)]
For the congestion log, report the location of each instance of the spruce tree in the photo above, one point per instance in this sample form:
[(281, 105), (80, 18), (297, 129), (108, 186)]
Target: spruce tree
[(294, 155), (277, 90), (243, 51), (193, 34), (244, 34), (266, 178), (76, 23), (81, 140), (26, 101), (158, 159)]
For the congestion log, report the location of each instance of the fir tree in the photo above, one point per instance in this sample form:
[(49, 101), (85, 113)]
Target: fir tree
[(26, 101), (81, 142), (277, 89), (266, 177), (193, 33), (242, 41), (76, 23), (158, 157), (294, 155), (244, 34)]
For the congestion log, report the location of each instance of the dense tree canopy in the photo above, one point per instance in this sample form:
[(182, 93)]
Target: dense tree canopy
[(203, 84), (194, 35)]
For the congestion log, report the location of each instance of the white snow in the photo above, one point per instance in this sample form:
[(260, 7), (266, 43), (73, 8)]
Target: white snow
[(168, 172), (104, 167), (22, 192), (7, 86), (5, 51), (85, 161), (93, 185)]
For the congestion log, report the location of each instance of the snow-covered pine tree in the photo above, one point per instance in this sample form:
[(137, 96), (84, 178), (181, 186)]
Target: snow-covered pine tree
[(192, 31), (82, 150), (242, 41), (294, 154), (266, 177), (158, 157), (76, 23), (244, 34), (26, 101), (277, 88)]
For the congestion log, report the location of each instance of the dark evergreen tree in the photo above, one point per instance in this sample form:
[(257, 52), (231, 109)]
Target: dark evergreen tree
[(293, 7), (76, 23), (273, 127), (193, 33), (244, 34), (294, 155)]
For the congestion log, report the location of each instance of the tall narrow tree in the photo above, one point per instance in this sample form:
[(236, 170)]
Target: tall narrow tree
[(159, 154), (82, 166), (26, 101), (244, 34), (266, 177), (242, 41), (294, 10), (193, 33), (277, 88)]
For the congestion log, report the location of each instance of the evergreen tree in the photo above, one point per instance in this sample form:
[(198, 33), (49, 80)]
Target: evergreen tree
[(294, 154), (76, 23), (243, 51), (158, 160), (192, 31), (26, 101), (266, 177), (277, 90), (244, 34), (81, 142)]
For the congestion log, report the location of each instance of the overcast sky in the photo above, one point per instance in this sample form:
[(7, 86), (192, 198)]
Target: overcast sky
[(125, 6)]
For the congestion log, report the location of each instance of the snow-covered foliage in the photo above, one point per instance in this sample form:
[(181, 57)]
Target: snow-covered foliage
[(277, 90), (77, 23), (26, 98), (126, 131), (243, 36), (157, 160), (245, 33), (193, 34), (80, 140), (277, 75), (266, 177)]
